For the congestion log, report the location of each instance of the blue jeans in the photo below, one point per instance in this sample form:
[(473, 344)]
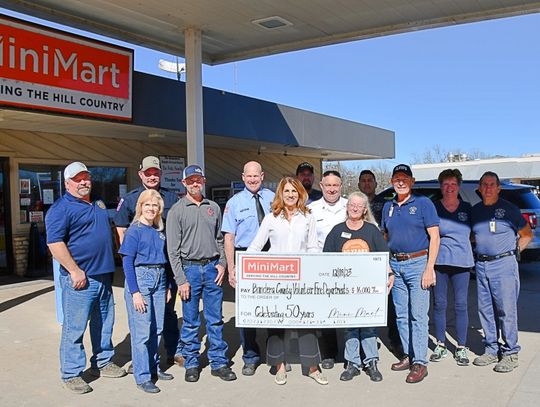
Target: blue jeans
[(412, 306), (248, 338), (460, 285), (498, 290), (171, 333), (95, 303), (367, 337), (202, 281), (145, 328)]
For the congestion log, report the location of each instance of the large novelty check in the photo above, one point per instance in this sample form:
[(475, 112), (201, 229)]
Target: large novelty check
[(323, 290)]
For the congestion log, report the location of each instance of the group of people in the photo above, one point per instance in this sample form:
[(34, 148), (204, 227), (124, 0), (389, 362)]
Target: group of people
[(184, 247)]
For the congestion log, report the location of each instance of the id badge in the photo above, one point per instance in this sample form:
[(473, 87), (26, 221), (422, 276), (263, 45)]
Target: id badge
[(492, 226)]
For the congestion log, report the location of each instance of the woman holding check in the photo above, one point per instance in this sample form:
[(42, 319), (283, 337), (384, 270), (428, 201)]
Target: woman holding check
[(359, 233), (291, 229)]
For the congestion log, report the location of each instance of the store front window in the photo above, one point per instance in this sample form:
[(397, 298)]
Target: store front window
[(40, 185)]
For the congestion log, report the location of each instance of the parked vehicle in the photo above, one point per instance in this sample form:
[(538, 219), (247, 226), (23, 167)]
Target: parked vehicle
[(520, 195)]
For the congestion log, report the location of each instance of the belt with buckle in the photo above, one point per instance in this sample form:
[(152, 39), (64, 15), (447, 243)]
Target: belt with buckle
[(484, 257), (199, 262), (408, 256)]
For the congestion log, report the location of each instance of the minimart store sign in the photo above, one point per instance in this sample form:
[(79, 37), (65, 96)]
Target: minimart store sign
[(46, 69)]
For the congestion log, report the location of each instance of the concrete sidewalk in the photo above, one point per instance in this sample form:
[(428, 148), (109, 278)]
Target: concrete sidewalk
[(29, 368)]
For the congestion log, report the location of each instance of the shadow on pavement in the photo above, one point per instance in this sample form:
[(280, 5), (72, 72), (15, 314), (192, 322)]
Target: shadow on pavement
[(23, 298)]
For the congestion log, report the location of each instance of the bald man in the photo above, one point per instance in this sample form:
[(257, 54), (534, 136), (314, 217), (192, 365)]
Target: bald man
[(241, 218)]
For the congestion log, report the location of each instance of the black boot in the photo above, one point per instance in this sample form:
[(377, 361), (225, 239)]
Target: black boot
[(372, 371)]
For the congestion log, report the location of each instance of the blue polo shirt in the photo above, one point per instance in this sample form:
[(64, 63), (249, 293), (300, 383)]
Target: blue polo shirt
[(507, 220), (84, 228), (406, 225), (455, 231), (240, 215), (145, 245), (125, 211)]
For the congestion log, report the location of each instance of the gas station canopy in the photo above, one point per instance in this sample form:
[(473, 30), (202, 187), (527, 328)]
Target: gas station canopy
[(240, 29)]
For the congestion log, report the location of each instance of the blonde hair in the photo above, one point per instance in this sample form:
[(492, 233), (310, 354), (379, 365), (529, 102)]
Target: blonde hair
[(145, 196), (368, 215), (278, 204)]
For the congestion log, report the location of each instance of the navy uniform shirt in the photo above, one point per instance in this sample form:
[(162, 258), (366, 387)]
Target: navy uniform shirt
[(495, 227), (240, 215), (85, 229), (314, 195), (125, 211), (146, 245), (455, 231), (406, 225)]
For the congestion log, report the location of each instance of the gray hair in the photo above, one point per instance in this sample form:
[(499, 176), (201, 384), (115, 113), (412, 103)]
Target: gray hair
[(368, 216)]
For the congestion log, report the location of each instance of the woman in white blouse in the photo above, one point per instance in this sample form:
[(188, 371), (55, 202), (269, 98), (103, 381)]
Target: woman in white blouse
[(291, 228)]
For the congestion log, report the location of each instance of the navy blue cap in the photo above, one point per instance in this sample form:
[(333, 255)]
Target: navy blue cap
[(191, 170), (404, 168)]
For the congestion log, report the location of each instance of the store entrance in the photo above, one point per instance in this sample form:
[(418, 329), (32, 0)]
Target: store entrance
[(5, 221)]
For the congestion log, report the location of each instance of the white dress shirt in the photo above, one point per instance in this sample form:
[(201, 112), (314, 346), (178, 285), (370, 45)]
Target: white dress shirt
[(327, 216), (297, 236)]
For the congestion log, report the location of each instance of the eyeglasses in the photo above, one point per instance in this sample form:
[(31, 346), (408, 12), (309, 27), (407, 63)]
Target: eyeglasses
[(400, 180), (193, 180), (81, 176), (356, 206)]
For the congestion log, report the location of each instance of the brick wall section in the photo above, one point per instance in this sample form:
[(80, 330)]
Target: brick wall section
[(20, 255)]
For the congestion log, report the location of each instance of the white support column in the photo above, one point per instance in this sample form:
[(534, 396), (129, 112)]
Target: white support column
[(194, 99)]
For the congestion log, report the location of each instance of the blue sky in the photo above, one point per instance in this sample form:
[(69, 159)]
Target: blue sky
[(472, 87)]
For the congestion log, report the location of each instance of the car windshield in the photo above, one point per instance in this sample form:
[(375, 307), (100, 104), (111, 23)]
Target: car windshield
[(522, 197)]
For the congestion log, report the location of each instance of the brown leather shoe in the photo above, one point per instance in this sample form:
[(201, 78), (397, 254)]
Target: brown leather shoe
[(179, 360), (417, 373), (403, 364)]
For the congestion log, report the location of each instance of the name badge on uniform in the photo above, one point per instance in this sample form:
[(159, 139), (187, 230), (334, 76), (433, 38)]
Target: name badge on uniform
[(492, 226), (391, 211), (346, 235)]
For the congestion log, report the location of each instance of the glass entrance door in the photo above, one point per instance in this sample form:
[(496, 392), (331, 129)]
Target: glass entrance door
[(4, 218)]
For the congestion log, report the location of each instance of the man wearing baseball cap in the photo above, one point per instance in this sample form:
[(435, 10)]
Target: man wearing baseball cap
[(305, 174), (79, 238), (197, 256), (411, 226), (150, 175), (367, 183)]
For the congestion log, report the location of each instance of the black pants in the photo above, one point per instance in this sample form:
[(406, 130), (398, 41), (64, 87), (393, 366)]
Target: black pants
[(308, 347), (328, 344)]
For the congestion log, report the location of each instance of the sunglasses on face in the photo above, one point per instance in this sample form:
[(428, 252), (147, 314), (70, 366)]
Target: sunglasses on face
[(193, 180), (81, 176), (152, 172)]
